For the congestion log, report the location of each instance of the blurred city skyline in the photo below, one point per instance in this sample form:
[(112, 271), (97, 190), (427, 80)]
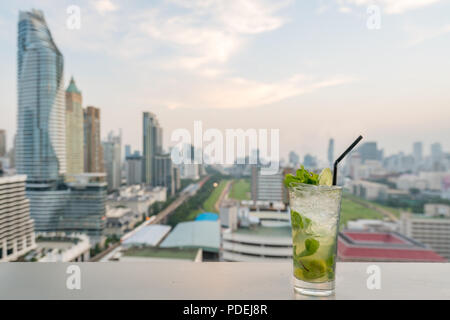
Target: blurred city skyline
[(325, 74)]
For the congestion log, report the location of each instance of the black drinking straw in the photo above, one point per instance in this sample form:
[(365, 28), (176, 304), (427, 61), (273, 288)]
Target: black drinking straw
[(342, 157)]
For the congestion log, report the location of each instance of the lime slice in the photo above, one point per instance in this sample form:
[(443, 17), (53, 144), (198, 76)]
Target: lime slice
[(326, 177)]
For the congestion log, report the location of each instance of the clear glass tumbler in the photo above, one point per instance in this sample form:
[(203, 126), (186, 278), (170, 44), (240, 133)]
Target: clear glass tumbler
[(315, 219)]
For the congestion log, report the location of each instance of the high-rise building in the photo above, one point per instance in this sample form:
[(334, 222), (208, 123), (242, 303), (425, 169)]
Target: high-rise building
[(310, 162), (176, 177), (2, 143), (93, 151), (112, 155), (127, 150), (417, 152), (134, 169), (436, 152), (267, 187), (331, 153), (163, 176), (430, 229), (369, 151), (294, 159), (152, 146), (74, 130), (85, 209), (41, 136), (16, 227)]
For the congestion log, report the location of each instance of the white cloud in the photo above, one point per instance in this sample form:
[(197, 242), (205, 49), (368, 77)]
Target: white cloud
[(211, 32), (418, 35), (104, 6), (391, 6), (233, 93)]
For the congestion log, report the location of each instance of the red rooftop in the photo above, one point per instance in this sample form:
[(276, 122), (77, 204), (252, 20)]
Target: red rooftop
[(383, 246)]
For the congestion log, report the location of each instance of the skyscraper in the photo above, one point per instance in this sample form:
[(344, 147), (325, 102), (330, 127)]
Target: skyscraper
[(93, 151), (436, 152), (417, 152), (41, 136), (369, 151), (112, 155), (152, 146), (134, 169), (16, 227), (294, 158), (74, 130), (3, 149), (164, 173), (127, 150), (331, 153)]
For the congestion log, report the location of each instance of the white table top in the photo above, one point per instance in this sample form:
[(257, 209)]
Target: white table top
[(215, 280)]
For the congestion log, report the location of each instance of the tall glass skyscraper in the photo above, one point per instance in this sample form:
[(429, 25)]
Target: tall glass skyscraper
[(77, 206), (152, 146), (40, 146)]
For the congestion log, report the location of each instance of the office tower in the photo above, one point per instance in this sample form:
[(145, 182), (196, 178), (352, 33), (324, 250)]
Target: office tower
[(417, 152), (74, 130), (3, 148), (267, 187), (331, 153), (85, 206), (164, 173), (93, 151), (432, 230), (176, 177), (152, 145), (294, 159), (369, 151), (127, 150), (112, 155), (310, 162), (134, 169), (41, 136), (16, 226), (436, 152)]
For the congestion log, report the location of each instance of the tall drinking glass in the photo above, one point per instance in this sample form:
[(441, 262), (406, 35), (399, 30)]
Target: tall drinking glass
[(315, 219)]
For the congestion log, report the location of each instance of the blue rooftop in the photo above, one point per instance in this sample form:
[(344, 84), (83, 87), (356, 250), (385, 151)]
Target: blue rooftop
[(207, 216)]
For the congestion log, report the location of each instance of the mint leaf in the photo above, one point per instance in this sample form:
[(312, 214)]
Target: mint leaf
[(296, 219), (301, 176), (311, 246)]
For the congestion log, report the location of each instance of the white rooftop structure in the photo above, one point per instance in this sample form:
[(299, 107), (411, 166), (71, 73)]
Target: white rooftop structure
[(150, 235), (117, 212)]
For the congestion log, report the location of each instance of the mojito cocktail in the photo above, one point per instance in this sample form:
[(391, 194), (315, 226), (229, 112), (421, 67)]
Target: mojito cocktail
[(314, 217)]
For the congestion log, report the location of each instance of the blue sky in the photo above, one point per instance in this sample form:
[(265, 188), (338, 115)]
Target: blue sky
[(309, 68)]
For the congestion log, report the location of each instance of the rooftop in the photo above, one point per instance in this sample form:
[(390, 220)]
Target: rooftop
[(162, 253), (383, 246), (117, 212), (207, 216), (150, 235), (283, 231), (194, 234), (72, 88)]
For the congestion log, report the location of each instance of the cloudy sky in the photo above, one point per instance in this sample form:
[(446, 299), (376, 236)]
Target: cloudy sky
[(312, 69)]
